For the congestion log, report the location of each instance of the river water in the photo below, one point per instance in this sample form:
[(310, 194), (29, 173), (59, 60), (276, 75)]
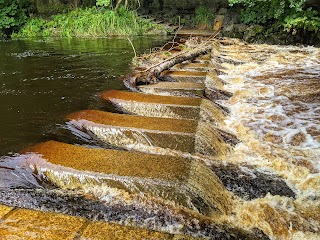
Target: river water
[(264, 185), (42, 80)]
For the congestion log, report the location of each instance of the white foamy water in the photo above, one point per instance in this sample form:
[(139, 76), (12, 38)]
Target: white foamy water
[(276, 95), (275, 110)]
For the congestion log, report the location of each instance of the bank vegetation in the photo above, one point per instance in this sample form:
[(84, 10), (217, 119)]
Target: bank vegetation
[(285, 20)]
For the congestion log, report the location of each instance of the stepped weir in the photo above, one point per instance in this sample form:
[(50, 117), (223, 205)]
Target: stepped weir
[(225, 147)]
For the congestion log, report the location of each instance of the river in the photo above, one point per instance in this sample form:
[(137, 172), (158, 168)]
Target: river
[(243, 166), (42, 80)]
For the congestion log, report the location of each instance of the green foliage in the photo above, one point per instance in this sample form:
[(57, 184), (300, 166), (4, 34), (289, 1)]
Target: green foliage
[(13, 14), (33, 26), (203, 16), (262, 12), (103, 3), (307, 20), (291, 15), (88, 22)]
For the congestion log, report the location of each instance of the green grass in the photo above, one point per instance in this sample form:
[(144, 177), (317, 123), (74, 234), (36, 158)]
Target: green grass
[(204, 17), (89, 22)]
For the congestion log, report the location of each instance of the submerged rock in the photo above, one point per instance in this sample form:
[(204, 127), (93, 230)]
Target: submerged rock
[(251, 184)]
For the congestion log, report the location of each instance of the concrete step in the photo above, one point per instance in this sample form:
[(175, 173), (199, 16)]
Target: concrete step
[(108, 231), (138, 133), (165, 136), (165, 106), (29, 224), (186, 76), (205, 57), (4, 210), (173, 88), (190, 83), (171, 125), (201, 67), (131, 177)]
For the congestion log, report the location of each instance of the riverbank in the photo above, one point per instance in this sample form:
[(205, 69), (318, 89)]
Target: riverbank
[(90, 22), (236, 22), (280, 22)]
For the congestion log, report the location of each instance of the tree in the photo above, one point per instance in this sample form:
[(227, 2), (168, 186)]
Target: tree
[(13, 14), (292, 15)]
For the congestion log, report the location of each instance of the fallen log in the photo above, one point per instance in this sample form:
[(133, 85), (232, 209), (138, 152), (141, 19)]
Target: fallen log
[(151, 75)]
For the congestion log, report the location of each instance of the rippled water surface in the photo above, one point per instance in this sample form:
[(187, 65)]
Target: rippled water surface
[(42, 80), (279, 89)]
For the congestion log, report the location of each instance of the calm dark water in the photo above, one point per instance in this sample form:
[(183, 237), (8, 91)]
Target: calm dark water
[(42, 80)]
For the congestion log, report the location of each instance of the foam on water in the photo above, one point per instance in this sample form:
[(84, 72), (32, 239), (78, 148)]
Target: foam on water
[(275, 113), (278, 99)]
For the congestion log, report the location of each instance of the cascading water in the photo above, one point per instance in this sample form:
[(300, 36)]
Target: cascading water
[(256, 103), (209, 142), (157, 110), (211, 113), (204, 139), (177, 191), (259, 142), (274, 112)]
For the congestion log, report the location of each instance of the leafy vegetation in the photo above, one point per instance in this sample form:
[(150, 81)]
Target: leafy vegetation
[(307, 20), (72, 18), (13, 14), (89, 22), (290, 15), (92, 18), (103, 3), (203, 17)]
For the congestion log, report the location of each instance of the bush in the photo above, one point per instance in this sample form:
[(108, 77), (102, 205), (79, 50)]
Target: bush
[(88, 22), (13, 14), (308, 20), (103, 3), (291, 15), (203, 17)]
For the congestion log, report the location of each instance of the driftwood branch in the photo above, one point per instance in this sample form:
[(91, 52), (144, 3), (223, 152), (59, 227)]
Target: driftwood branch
[(179, 59), (153, 73)]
